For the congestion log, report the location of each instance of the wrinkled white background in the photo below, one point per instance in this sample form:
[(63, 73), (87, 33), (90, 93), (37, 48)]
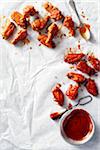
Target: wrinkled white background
[(27, 77)]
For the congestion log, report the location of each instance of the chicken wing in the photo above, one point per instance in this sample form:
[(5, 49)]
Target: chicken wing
[(42, 38), (9, 30), (29, 10), (39, 24), (55, 13), (72, 91), (21, 35), (19, 19), (58, 95), (91, 87), (79, 78), (94, 62), (83, 67), (73, 58), (68, 22), (52, 32)]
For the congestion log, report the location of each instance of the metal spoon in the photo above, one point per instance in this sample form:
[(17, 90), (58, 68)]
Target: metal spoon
[(82, 101), (84, 30)]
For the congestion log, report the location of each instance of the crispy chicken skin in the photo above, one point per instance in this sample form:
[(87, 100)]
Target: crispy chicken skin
[(94, 62), (9, 30), (29, 10), (73, 58), (39, 24), (72, 91), (68, 22), (19, 19), (52, 32), (79, 78), (55, 13), (83, 67), (91, 87), (42, 38), (58, 95), (21, 35)]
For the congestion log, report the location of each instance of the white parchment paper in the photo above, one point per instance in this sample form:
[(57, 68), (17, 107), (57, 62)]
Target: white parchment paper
[(27, 77)]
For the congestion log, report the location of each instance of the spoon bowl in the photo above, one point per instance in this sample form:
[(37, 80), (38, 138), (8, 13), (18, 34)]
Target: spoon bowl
[(84, 30)]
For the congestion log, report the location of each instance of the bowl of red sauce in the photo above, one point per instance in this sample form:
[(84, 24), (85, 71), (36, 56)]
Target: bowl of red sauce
[(77, 126)]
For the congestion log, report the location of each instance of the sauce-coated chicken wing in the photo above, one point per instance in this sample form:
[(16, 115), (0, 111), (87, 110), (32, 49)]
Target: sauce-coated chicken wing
[(91, 87), (39, 24), (83, 67), (79, 78), (72, 91), (42, 38), (20, 36), (9, 30), (55, 13), (19, 19), (94, 62), (68, 22), (73, 58), (58, 95), (29, 10), (52, 32)]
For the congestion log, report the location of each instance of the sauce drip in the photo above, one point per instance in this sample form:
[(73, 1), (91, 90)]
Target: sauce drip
[(77, 124)]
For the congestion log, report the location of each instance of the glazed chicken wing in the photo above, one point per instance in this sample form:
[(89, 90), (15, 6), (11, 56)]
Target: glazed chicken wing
[(79, 78), (42, 38), (58, 95), (52, 32), (94, 62), (29, 10), (55, 13), (21, 35), (83, 67), (39, 24), (91, 87), (68, 22), (19, 19), (72, 91), (9, 30), (73, 58)]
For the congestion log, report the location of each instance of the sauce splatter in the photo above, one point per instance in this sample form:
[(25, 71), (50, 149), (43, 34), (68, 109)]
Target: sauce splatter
[(79, 46), (70, 106)]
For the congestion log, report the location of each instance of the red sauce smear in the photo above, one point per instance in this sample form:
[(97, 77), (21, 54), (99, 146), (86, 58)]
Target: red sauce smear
[(77, 124)]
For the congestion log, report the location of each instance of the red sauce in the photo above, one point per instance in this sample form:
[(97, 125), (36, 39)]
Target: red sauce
[(77, 124), (79, 46), (83, 16), (83, 28), (88, 26)]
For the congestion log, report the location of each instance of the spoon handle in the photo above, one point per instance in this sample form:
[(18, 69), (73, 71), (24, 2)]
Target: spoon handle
[(73, 6)]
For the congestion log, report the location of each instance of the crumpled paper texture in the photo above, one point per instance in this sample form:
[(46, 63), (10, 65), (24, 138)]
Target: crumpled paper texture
[(27, 77)]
